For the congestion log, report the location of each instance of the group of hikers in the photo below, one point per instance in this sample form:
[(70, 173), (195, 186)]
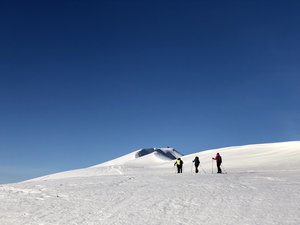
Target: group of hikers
[(196, 161)]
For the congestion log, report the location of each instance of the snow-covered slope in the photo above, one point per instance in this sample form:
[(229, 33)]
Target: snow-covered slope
[(275, 156), (143, 156), (132, 163), (262, 186)]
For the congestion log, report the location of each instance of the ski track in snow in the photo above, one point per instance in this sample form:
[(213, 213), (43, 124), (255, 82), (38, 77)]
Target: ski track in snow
[(137, 195), (241, 198)]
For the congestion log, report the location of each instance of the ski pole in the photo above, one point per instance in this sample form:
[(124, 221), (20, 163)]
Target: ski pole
[(224, 169), (212, 169)]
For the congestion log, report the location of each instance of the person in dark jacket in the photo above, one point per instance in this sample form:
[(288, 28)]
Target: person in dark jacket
[(196, 162), (218, 159), (179, 164)]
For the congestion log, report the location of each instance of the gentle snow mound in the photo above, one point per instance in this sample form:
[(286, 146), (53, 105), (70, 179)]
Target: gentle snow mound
[(260, 157), (128, 164), (146, 155)]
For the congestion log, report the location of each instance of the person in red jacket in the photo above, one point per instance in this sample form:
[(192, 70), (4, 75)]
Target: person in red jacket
[(218, 158)]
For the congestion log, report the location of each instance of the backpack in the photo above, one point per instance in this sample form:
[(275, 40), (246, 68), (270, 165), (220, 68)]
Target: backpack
[(220, 159)]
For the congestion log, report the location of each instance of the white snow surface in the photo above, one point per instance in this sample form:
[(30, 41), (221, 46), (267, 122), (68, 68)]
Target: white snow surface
[(261, 186)]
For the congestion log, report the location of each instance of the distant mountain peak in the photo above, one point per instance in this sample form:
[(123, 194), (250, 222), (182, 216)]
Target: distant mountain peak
[(169, 153)]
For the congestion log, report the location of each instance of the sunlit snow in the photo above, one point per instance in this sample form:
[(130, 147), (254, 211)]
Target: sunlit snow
[(261, 186)]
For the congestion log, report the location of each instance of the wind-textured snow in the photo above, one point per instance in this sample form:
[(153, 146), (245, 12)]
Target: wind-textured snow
[(262, 186)]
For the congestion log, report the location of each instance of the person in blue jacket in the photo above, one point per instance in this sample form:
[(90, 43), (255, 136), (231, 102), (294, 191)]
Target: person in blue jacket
[(196, 162)]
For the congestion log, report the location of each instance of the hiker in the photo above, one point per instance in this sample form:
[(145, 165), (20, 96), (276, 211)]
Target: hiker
[(218, 159), (196, 162), (179, 164)]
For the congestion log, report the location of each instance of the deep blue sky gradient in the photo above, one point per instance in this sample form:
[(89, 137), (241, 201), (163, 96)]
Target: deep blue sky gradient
[(82, 82)]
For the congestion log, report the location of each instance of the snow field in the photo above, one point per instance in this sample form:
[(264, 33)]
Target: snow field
[(262, 187), (241, 198)]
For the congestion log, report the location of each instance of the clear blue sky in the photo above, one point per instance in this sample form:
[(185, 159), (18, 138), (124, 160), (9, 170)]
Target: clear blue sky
[(82, 82)]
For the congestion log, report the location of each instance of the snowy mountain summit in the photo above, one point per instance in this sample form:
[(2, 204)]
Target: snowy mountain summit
[(261, 186), (168, 153), (145, 156)]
